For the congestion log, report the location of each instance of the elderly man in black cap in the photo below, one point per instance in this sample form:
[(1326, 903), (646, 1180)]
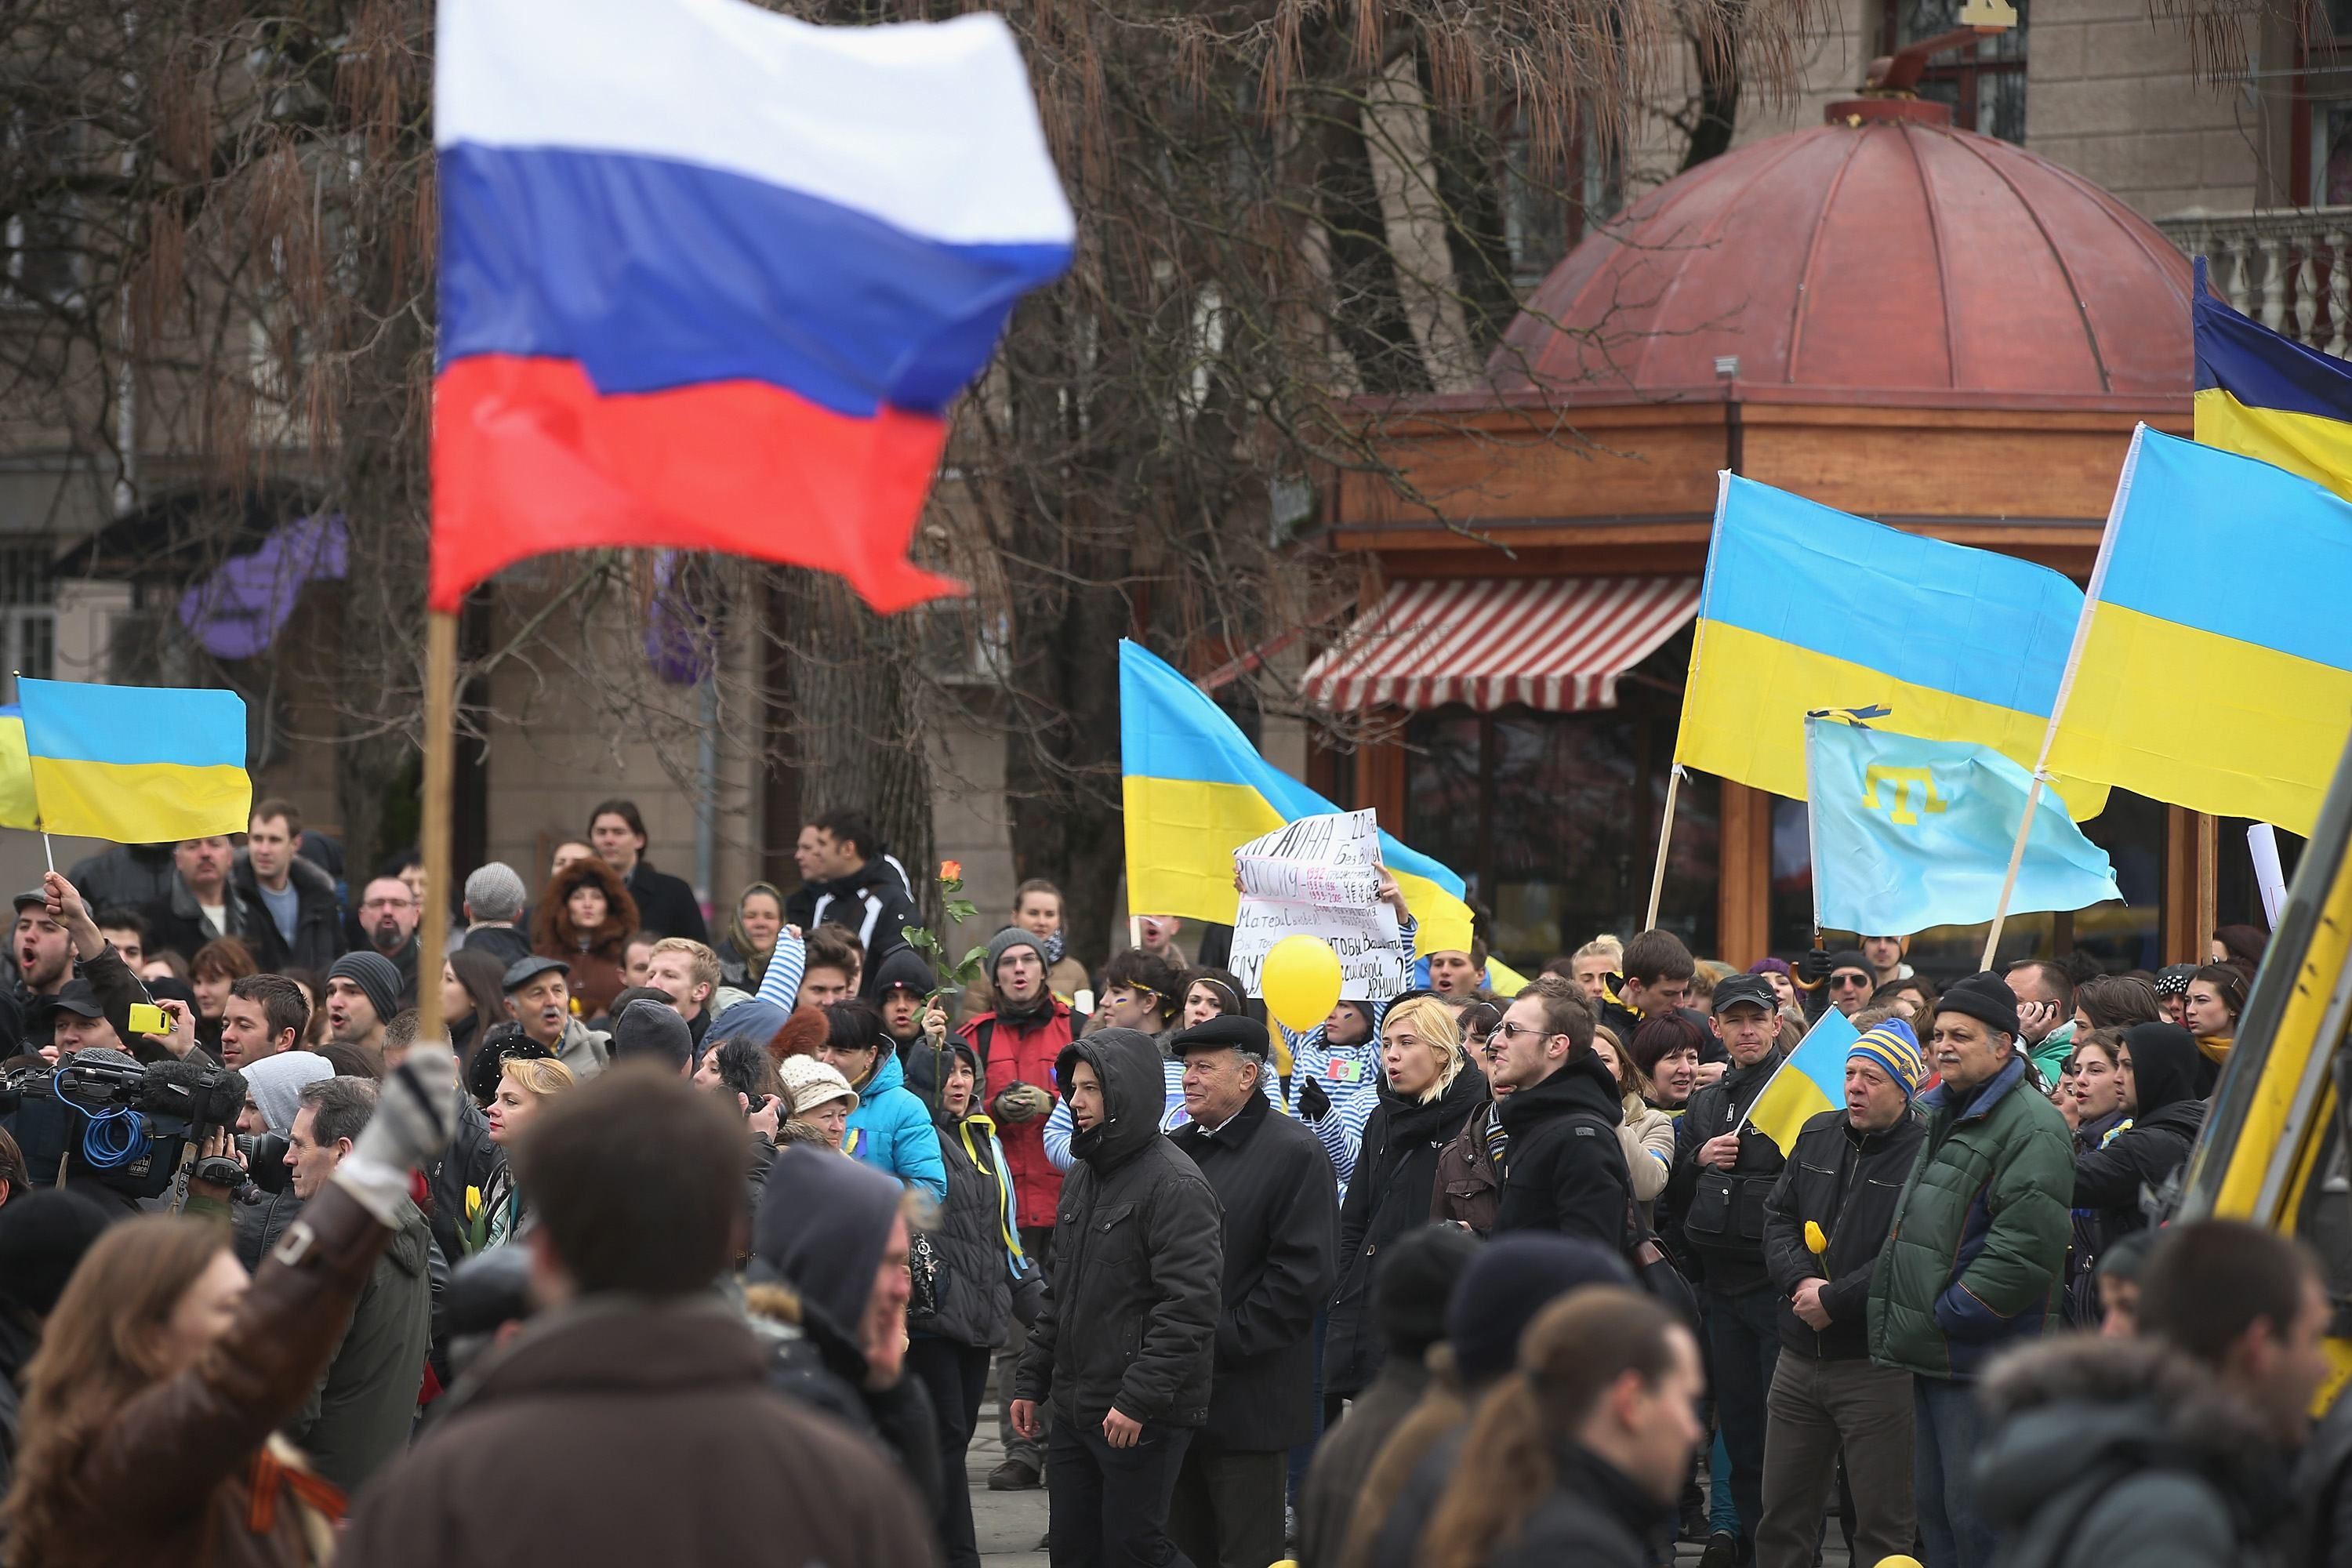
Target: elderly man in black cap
[(1724, 1170), (539, 997), (1977, 1257), (1281, 1226)]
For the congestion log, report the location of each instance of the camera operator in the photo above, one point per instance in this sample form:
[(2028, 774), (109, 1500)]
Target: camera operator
[(146, 1434)]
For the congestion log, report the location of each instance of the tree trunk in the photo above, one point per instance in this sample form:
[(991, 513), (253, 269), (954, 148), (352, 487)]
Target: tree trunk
[(1368, 311), (859, 737), (1468, 165), (1718, 101)]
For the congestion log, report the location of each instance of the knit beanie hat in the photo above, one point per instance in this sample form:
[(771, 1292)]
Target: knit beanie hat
[(809, 1083), (1008, 939), (1773, 966), (1414, 1282), (276, 1083), (752, 1020), (646, 1027), (2173, 979), (494, 892), (1851, 958), (1514, 1277), (1986, 998), (43, 1234), (1893, 1049), (377, 977)]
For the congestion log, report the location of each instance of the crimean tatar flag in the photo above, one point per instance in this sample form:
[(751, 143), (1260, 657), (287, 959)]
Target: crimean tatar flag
[(2213, 669), (1196, 790), (138, 764), (1807, 608), (1809, 1080), (710, 276), (1909, 834), (2268, 397)]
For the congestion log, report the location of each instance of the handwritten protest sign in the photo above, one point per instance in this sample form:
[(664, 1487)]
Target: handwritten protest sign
[(1321, 876)]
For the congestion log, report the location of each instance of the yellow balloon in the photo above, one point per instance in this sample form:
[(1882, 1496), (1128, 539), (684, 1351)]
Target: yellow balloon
[(1300, 982)]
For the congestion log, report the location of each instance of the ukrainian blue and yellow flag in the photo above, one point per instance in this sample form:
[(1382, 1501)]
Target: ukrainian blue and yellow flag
[(1807, 608), (16, 808), (2268, 397), (2214, 666), (1812, 1080), (138, 764), (1196, 790)]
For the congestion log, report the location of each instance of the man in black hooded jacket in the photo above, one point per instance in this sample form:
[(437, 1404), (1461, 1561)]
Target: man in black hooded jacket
[(2166, 1114), (1125, 1347), (1563, 1168)]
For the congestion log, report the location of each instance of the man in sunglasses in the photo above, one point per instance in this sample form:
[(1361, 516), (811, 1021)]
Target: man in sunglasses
[(1851, 980)]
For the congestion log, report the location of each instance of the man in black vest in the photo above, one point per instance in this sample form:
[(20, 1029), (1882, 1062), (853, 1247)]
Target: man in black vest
[(1281, 1231), (1724, 1173)]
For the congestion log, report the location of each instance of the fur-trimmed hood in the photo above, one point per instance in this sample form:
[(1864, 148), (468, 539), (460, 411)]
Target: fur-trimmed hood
[(551, 927), (2060, 1412)]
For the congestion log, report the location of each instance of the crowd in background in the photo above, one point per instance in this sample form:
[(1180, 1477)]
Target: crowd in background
[(1455, 1277)]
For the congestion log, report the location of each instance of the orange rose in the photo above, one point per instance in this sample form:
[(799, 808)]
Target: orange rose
[(951, 870)]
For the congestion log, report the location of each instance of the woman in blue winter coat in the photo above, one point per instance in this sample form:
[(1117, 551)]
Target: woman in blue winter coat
[(892, 1128)]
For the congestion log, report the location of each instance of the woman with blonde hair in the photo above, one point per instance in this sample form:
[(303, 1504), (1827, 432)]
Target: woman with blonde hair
[(1428, 1088), (525, 1083)]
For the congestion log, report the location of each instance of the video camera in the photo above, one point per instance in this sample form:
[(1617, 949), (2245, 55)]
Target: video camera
[(102, 1115)]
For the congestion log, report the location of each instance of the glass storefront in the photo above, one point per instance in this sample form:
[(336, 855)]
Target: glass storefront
[(1552, 818)]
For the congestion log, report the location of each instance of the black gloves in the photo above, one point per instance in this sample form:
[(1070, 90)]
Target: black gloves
[(1314, 1105), (1815, 967)]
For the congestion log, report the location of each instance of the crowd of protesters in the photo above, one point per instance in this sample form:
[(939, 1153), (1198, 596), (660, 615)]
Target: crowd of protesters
[(714, 1250)]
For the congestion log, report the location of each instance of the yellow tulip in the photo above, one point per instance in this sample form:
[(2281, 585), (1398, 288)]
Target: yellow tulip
[(1815, 1242)]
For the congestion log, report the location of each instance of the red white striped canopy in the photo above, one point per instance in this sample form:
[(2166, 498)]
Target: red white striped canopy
[(1557, 643)]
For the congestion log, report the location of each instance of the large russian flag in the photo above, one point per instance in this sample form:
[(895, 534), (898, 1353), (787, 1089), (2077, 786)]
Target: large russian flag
[(710, 276)]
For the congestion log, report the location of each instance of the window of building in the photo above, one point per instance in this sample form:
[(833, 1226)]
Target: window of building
[(1985, 85), (29, 616), (1547, 209), (1552, 818), (40, 255)]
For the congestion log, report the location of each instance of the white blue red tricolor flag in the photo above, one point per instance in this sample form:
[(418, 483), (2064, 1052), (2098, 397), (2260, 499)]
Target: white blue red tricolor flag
[(710, 276)]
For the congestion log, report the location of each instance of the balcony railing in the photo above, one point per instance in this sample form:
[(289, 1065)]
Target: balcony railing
[(2291, 270)]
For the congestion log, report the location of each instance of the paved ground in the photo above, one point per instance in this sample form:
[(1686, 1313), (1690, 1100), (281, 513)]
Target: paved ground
[(1010, 1524)]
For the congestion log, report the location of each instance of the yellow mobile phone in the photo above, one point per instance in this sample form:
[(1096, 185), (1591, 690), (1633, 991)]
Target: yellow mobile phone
[(146, 1018)]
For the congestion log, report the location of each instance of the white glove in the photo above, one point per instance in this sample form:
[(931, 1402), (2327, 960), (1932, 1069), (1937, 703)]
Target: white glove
[(415, 1112)]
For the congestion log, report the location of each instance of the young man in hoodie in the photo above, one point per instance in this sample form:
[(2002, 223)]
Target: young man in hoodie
[(1124, 1350), (1838, 1190), (1018, 1043), (1724, 1170), (846, 879)]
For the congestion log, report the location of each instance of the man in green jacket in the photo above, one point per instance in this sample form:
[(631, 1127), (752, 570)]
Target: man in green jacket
[(1976, 1255)]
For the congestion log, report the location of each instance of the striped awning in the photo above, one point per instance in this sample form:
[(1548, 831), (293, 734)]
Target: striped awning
[(1557, 643)]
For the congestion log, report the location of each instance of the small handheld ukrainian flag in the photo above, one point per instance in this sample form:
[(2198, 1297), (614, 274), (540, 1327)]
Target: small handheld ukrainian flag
[(1909, 834), (1809, 1082), (138, 764), (16, 808)]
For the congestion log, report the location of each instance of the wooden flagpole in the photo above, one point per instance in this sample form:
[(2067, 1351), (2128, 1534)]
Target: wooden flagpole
[(1665, 836), (440, 739)]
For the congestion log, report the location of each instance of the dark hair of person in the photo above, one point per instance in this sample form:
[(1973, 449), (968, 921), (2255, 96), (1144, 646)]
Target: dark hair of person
[(2055, 978), (1656, 955), (746, 1068), (626, 810), (1036, 885), (357, 1062), (854, 1025), (314, 991), (1572, 1354), (2117, 1002), (485, 980), (2209, 1281), (122, 917), (2245, 945), (399, 1032), (830, 947), (283, 1004), (11, 1166), (97, 1354), (169, 957), (849, 828), (1136, 969), (2229, 981), (552, 932), (223, 958), (1658, 1037), (637, 1178), (1222, 983), (2109, 1043), (1919, 985), (274, 808), (340, 1106)]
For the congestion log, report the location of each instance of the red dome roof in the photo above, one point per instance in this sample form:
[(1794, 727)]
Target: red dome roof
[(1890, 255)]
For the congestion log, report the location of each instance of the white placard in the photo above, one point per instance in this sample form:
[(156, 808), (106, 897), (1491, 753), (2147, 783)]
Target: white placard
[(1321, 876)]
